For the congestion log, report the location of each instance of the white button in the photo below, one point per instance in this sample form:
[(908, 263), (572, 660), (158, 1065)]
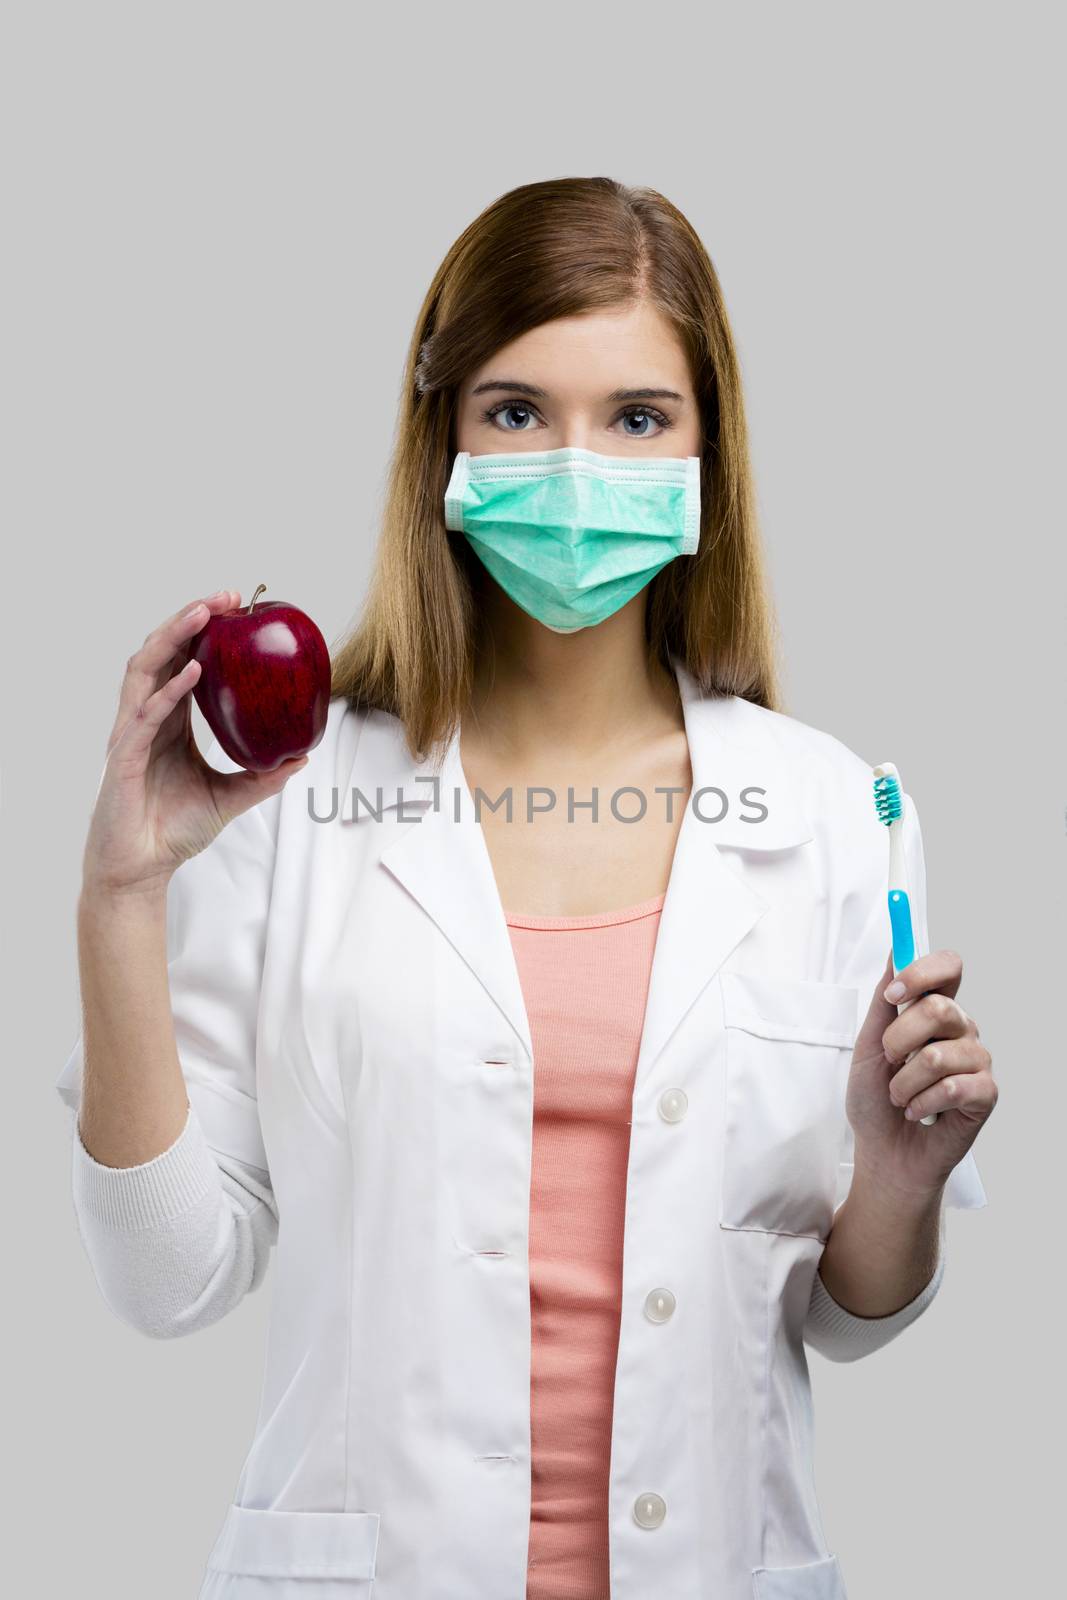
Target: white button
[(659, 1305), (673, 1105), (649, 1510)]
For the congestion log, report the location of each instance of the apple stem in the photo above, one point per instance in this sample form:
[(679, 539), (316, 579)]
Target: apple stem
[(254, 598)]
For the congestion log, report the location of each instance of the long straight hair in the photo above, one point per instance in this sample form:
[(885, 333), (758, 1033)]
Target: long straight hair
[(542, 251)]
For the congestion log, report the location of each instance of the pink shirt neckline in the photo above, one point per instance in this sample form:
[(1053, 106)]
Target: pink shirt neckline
[(594, 919)]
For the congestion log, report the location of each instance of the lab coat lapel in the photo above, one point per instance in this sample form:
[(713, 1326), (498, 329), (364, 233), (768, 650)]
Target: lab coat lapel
[(709, 905), (440, 856)]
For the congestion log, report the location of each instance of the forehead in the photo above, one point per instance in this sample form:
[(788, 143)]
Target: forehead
[(635, 346)]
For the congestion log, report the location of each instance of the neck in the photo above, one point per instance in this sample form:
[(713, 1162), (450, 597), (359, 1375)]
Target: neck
[(593, 691)]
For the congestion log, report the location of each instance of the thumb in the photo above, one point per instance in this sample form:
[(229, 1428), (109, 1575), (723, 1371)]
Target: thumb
[(880, 1013), (243, 790)]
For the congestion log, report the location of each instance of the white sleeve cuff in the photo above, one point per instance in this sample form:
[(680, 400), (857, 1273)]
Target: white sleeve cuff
[(841, 1335), (151, 1193)]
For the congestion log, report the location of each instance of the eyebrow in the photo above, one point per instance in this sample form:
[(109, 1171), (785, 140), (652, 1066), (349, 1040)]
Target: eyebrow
[(518, 387)]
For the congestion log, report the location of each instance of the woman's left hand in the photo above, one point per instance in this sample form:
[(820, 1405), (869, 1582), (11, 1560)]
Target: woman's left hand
[(949, 1071)]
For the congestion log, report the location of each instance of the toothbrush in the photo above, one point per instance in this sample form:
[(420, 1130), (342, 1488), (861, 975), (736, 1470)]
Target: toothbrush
[(889, 804)]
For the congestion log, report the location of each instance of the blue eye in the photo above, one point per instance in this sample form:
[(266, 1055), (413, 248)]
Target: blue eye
[(502, 408), (643, 414)]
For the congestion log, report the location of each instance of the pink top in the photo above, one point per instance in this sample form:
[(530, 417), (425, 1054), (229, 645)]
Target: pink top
[(584, 981)]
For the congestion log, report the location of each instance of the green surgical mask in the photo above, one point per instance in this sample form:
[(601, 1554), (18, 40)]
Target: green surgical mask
[(571, 535)]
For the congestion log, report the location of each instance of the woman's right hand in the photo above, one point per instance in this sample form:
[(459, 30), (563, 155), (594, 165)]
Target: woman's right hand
[(159, 802)]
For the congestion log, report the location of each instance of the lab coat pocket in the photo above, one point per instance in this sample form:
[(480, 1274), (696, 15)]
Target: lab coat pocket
[(788, 1050), (273, 1552), (816, 1580)]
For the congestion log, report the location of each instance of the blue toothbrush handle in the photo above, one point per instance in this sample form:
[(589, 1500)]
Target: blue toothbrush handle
[(904, 953), (900, 923)]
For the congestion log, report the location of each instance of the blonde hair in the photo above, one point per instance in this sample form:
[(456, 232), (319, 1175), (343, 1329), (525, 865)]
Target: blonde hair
[(541, 251)]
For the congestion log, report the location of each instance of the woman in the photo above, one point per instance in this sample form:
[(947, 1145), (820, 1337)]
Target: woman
[(547, 1028)]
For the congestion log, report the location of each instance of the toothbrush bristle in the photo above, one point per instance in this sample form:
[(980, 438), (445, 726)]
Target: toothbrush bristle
[(888, 799)]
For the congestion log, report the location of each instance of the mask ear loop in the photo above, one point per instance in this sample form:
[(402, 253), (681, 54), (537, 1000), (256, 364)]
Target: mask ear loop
[(691, 539), (454, 494)]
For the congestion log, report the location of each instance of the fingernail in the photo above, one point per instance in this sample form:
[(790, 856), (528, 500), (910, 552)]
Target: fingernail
[(193, 609), (896, 991)]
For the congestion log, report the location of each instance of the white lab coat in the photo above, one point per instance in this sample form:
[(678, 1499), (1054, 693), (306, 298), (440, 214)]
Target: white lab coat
[(351, 1027)]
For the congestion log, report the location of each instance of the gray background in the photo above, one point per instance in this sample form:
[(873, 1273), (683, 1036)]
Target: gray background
[(221, 219)]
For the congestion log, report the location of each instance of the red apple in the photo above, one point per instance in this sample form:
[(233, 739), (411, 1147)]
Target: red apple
[(264, 684)]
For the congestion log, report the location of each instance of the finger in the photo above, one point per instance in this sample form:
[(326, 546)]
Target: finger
[(225, 600), (879, 1015), (934, 1016), (941, 970), (235, 792), (164, 649), (934, 1061), (133, 746), (973, 1093)]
